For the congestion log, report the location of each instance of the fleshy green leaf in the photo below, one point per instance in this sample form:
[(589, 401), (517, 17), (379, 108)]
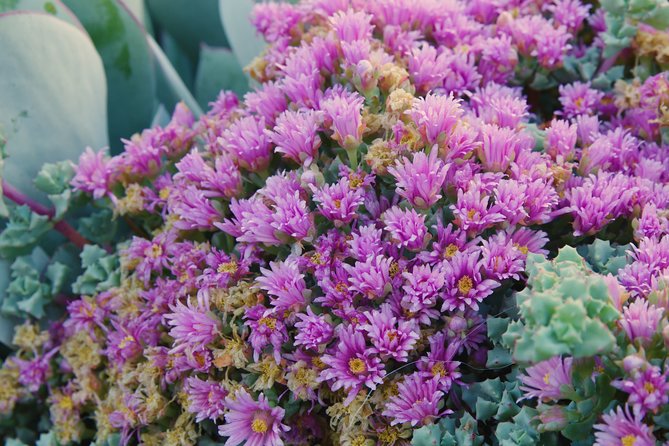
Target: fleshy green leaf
[(53, 91), (245, 42), (218, 70), (23, 232), (101, 271)]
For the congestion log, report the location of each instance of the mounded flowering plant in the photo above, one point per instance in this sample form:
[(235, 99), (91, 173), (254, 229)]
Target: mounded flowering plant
[(377, 246)]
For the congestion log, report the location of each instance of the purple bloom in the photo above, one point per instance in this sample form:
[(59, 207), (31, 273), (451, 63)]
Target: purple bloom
[(579, 99), (246, 142), (465, 287), (151, 256), (285, 284), (253, 423), (501, 259), (312, 330), (84, 314), (268, 101), (366, 242), (648, 389), (545, 379), (353, 366), (351, 25), (194, 209), (343, 115), (472, 213), (423, 286), (500, 146), (407, 228), (436, 117), (296, 135), (34, 372), (417, 401), (420, 180), (622, 427), (293, 217), (640, 320), (428, 67), (390, 337), (467, 330), (439, 362), (561, 140), (370, 278), (266, 328), (205, 398), (193, 324), (449, 242), (93, 173), (253, 222), (569, 13), (338, 202)]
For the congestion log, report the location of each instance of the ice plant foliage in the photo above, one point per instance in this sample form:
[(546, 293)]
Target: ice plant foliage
[(392, 237)]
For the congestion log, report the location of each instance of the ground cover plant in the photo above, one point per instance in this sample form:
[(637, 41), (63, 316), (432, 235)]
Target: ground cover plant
[(430, 223)]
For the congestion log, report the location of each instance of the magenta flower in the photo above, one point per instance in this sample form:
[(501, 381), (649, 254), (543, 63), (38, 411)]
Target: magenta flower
[(501, 258), (267, 328), (312, 330), (622, 427), (648, 389), (569, 13), (293, 217), (194, 209), (253, 222), (640, 320), (465, 287), (193, 324), (246, 141), (296, 135), (268, 101), (468, 330), (252, 422), (285, 284), (406, 227), (343, 115), (579, 99), (93, 173), (338, 202), (351, 25), (561, 140), (423, 287), (352, 366), (500, 146), (436, 117), (366, 242), (206, 399), (390, 336), (545, 379), (420, 180), (439, 363), (370, 278), (472, 213), (417, 401), (34, 372), (427, 67)]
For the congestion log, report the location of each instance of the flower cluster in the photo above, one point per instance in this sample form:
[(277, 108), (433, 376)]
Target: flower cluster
[(315, 262)]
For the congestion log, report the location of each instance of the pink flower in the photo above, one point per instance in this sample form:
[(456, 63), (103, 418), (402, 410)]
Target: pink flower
[(407, 228), (252, 422), (313, 330), (417, 402), (296, 135), (246, 142), (622, 427), (436, 117), (546, 379), (352, 366), (93, 173), (390, 336), (343, 115), (285, 284), (420, 180), (193, 324), (206, 399)]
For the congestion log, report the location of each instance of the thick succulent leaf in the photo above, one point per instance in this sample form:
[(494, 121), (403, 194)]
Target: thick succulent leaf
[(170, 87), (140, 10), (244, 41), (121, 41), (7, 323), (218, 70), (53, 91), (53, 7), (190, 23)]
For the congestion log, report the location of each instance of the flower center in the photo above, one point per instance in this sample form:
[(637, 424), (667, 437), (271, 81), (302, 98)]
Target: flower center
[(164, 193), (125, 341), (154, 251), (391, 334), (259, 426), (227, 267), (649, 387), (547, 378), (337, 203), (358, 441), (389, 436), (465, 284), (393, 269), (578, 102), (628, 440), (523, 249), (66, 403), (357, 366), (438, 369), (471, 213), (268, 322), (450, 250)]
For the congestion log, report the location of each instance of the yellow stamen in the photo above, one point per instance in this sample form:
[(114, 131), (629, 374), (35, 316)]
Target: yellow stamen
[(451, 250), (438, 369), (154, 251), (628, 440), (465, 284), (392, 334), (125, 341), (227, 267), (356, 366), (547, 378), (259, 426), (649, 387), (66, 403), (268, 322), (337, 203), (471, 213)]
